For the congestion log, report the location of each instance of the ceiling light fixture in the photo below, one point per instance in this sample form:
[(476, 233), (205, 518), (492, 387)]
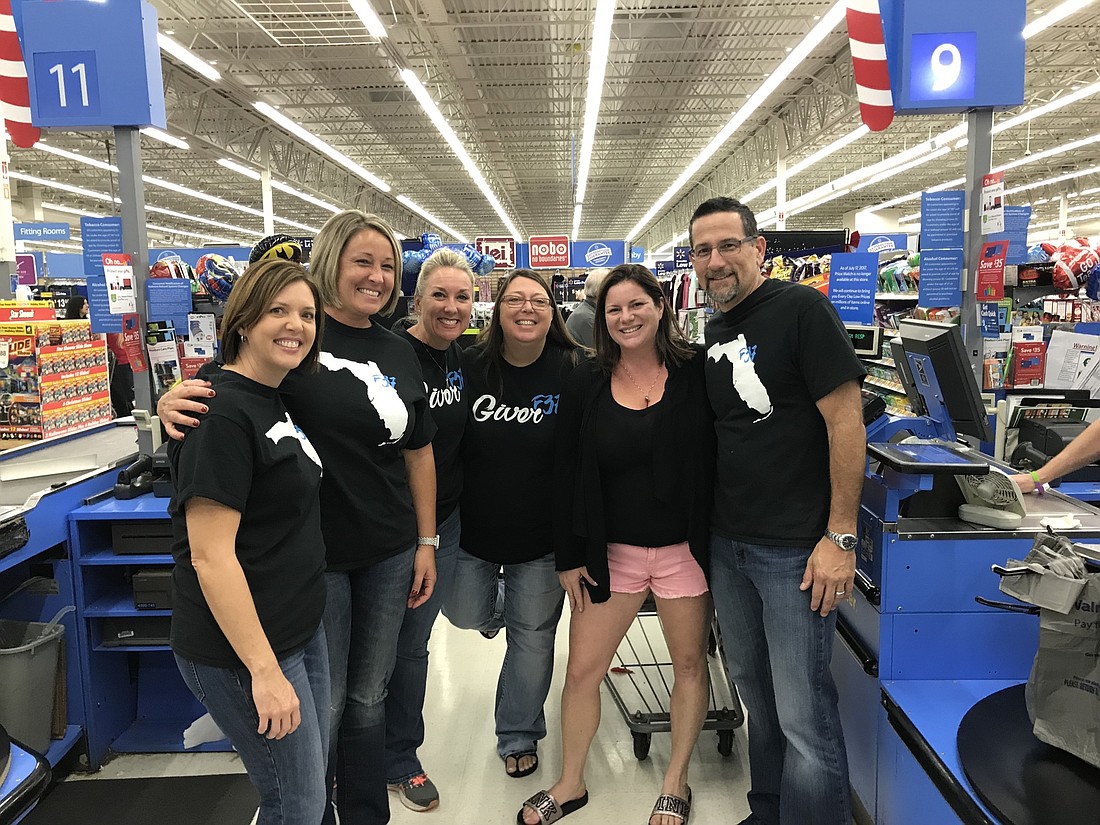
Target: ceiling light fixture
[(58, 244), (1080, 173), (370, 19), (810, 160), (428, 216), (233, 166), (1055, 15), (577, 220), (597, 70), (1048, 153), (164, 137), (444, 128), (829, 21), (187, 57), (64, 187), (281, 120), (290, 190), (205, 221), (70, 210)]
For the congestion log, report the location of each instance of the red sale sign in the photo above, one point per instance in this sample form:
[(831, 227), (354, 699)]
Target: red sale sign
[(991, 271), (549, 251)]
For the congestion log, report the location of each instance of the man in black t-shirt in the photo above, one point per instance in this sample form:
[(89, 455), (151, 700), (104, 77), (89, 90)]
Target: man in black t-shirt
[(784, 384)]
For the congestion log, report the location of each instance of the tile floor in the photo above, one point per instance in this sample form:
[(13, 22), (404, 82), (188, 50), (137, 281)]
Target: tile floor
[(460, 757)]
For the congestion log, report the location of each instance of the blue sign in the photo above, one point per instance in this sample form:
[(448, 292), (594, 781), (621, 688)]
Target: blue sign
[(63, 265), (238, 254), (1017, 219), (852, 280), (117, 82), (941, 221), (664, 268), (681, 256), (888, 242), (954, 55), (637, 255), (589, 254), (99, 235), (169, 299), (940, 278), (99, 306), (41, 231), (989, 315)]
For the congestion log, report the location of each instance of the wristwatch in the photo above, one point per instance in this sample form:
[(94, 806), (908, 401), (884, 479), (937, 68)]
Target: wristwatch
[(845, 541), (428, 541)]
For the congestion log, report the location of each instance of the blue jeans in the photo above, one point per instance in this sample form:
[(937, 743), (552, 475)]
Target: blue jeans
[(408, 684), (362, 620), (289, 773), (778, 653), (532, 606)]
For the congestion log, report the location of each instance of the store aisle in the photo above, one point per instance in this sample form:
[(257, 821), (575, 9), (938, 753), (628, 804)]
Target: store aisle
[(461, 759)]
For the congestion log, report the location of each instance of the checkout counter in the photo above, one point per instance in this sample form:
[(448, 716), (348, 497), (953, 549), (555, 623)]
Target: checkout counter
[(917, 654)]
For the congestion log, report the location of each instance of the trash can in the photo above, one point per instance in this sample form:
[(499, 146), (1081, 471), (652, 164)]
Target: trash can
[(28, 675)]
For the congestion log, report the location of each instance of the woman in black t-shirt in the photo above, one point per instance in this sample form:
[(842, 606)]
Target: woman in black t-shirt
[(443, 302), (513, 378), (635, 461), (248, 584), (366, 412)]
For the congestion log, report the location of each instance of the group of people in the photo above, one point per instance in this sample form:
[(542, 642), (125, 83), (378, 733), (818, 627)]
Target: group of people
[(373, 478)]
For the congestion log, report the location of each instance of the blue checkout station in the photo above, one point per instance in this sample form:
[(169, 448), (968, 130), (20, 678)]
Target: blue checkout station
[(930, 680)]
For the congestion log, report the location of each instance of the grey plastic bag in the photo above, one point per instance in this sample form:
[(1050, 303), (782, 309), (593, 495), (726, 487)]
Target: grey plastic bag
[(1063, 691)]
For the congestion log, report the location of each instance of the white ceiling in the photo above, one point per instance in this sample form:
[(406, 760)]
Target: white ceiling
[(510, 76)]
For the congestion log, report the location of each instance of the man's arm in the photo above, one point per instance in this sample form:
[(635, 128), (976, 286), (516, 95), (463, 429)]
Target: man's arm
[(1083, 450), (830, 570)]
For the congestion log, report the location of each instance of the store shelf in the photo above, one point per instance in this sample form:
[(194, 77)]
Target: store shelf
[(119, 603), (147, 736), (132, 648), (882, 362), (108, 558), (144, 507), (884, 385), (60, 747), (896, 296)]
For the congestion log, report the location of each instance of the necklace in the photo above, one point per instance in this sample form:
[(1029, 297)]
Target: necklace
[(433, 353), (645, 393)]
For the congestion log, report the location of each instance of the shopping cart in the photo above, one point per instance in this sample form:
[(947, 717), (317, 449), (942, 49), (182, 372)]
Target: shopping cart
[(640, 684)]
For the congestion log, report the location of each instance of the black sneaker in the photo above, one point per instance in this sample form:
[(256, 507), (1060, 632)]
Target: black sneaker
[(417, 793)]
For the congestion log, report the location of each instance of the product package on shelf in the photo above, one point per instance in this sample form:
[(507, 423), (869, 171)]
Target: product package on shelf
[(54, 379), (164, 356), (1028, 363), (994, 361)]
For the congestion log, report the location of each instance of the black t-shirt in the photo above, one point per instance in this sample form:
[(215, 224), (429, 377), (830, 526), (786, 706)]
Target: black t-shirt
[(633, 514), (508, 500), (362, 408), (449, 405), (769, 360), (249, 455)]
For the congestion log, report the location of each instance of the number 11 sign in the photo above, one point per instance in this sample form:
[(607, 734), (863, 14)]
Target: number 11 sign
[(67, 83)]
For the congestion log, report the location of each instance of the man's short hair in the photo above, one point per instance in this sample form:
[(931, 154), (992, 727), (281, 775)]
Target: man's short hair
[(593, 281), (724, 203)]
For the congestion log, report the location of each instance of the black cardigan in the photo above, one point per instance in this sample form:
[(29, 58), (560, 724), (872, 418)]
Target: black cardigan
[(684, 455)]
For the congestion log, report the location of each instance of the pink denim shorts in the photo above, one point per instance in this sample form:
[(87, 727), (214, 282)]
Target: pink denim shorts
[(670, 572)]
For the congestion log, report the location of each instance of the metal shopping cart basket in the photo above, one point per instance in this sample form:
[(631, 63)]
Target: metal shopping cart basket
[(640, 684)]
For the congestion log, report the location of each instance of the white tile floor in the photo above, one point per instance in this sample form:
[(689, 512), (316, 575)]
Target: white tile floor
[(460, 757)]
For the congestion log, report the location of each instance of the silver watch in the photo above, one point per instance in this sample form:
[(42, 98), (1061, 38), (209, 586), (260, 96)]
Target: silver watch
[(845, 541), (428, 541)]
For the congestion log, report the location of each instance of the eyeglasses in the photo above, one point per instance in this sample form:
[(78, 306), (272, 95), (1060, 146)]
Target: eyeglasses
[(727, 249), (538, 303)]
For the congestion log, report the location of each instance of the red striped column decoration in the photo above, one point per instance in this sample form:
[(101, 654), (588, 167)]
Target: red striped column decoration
[(876, 103), (15, 95)]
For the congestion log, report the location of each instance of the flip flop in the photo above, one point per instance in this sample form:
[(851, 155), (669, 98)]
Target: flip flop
[(669, 805), (548, 809), (517, 773)]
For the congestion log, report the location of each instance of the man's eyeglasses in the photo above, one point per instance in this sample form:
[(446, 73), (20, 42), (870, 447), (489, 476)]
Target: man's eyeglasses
[(727, 249), (538, 303)]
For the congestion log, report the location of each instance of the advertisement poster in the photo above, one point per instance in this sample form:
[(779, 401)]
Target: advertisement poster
[(164, 359), (991, 271), (99, 236), (131, 341), (941, 278), (852, 280), (1017, 219), (201, 338), (119, 274), (993, 203), (941, 216), (169, 300)]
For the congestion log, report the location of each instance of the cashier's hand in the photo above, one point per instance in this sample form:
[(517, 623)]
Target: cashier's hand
[(423, 576), (572, 582), (829, 574), (183, 398), (1025, 482), (276, 704)]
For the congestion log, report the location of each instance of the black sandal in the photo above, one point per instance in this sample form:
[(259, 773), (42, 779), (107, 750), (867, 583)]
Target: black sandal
[(548, 809), (669, 805), (520, 773)]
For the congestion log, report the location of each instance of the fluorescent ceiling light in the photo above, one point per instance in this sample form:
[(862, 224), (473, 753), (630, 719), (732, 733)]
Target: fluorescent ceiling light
[(577, 219), (909, 218), (186, 57), (829, 21), (428, 216), (65, 153), (281, 120), (444, 128), (198, 235), (1051, 181), (904, 167), (58, 244), (180, 189), (1048, 153), (164, 137), (252, 174), (371, 20), (290, 190), (205, 221), (1055, 15), (810, 160), (597, 69), (661, 250), (69, 210), (64, 187), (1047, 108)]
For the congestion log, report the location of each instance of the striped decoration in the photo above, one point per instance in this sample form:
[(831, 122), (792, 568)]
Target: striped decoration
[(876, 103), (15, 95)]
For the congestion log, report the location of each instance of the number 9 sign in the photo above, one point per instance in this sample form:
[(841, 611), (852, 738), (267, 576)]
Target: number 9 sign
[(943, 66), (945, 75)]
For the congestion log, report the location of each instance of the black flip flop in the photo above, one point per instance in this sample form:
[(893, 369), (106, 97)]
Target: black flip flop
[(519, 774), (548, 808)]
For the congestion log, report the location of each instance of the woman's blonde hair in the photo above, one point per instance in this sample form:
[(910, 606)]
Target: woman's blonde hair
[(324, 259)]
